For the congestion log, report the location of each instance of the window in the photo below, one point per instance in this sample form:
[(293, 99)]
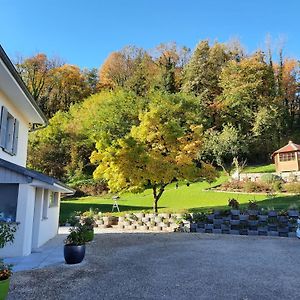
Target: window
[(53, 199), (287, 156), (8, 202), (9, 131), (45, 204)]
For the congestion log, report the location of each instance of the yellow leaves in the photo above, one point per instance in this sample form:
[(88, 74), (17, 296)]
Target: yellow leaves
[(163, 146)]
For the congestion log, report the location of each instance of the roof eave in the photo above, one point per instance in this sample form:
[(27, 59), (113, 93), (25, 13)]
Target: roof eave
[(20, 82)]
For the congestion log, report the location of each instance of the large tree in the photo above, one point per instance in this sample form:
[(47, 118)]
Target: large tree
[(162, 147)]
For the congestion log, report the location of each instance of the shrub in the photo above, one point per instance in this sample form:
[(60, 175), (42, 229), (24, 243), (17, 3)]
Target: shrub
[(255, 187), (74, 218), (252, 205), (270, 178), (7, 233), (232, 185), (233, 203), (293, 187), (90, 187), (76, 236), (276, 186), (199, 217)]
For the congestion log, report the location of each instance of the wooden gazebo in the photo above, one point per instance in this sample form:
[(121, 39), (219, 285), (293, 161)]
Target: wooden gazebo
[(287, 158)]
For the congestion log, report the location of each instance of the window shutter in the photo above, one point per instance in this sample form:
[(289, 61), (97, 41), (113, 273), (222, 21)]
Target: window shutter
[(3, 127), (16, 137)]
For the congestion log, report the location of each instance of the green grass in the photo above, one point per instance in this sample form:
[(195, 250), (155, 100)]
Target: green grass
[(260, 169), (192, 198)]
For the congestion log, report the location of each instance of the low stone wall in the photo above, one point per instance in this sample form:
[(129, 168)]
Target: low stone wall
[(286, 176), (247, 223), (140, 221)]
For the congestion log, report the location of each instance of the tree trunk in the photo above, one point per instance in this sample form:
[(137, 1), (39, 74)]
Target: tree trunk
[(156, 196), (155, 205)]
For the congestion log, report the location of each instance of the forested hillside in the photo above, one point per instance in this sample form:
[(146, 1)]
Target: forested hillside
[(214, 105)]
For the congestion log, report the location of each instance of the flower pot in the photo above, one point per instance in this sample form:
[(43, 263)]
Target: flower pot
[(272, 213), (252, 212), (4, 288), (140, 215), (293, 213), (165, 215), (158, 219), (74, 254), (100, 222), (244, 217), (235, 222), (253, 222), (121, 219), (217, 221), (235, 212), (263, 218)]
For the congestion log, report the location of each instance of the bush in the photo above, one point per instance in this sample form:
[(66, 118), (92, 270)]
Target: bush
[(232, 185), (293, 187), (76, 236), (276, 186), (270, 178), (233, 203), (252, 205), (256, 187), (90, 187)]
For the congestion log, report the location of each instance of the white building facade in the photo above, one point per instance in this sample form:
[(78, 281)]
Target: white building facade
[(30, 198)]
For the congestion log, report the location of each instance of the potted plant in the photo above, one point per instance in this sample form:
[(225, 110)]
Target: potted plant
[(88, 224), (252, 208), (234, 204), (74, 250), (7, 235)]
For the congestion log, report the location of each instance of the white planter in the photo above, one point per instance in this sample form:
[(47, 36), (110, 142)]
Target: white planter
[(140, 215)]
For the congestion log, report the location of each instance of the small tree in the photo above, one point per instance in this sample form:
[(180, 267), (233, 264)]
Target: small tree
[(162, 147), (225, 148)]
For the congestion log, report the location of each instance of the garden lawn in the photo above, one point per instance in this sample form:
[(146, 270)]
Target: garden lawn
[(192, 198), (260, 169)]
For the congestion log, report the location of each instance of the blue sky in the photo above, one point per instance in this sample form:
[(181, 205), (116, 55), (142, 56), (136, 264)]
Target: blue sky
[(85, 32)]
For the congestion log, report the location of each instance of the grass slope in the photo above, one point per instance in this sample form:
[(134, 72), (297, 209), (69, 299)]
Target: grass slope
[(192, 198), (260, 169)]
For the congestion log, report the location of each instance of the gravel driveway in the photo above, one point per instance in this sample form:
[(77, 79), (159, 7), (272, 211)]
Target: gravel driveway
[(171, 266)]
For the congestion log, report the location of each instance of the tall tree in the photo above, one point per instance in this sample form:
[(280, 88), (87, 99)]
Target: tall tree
[(36, 72), (202, 75), (162, 147)]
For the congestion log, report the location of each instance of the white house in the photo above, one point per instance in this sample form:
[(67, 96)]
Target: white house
[(30, 198)]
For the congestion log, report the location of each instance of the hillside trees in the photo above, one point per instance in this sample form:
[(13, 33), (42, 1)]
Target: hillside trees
[(247, 106), (55, 85)]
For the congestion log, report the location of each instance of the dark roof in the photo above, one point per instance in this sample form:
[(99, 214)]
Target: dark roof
[(20, 82), (290, 147), (32, 174)]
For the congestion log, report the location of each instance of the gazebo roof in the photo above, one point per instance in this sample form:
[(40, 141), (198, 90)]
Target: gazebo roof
[(290, 147)]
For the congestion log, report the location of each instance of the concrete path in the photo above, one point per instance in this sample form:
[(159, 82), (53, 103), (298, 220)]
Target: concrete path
[(171, 266)]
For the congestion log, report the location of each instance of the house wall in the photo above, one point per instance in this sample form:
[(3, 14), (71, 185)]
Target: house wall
[(282, 166), (33, 230), (25, 208), (44, 228), (20, 157)]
